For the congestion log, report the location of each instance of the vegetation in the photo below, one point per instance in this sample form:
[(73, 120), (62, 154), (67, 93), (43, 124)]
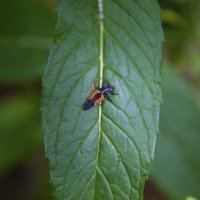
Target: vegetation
[(132, 44)]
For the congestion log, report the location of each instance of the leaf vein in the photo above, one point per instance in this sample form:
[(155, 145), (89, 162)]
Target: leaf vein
[(131, 38), (137, 103), (126, 135), (77, 150), (106, 182), (131, 59), (133, 18), (123, 164)]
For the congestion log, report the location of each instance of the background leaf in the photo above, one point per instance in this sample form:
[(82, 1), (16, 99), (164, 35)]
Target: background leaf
[(25, 36), (176, 165), (102, 153), (24, 136)]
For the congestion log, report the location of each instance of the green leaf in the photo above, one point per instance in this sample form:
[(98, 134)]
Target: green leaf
[(190, 198), (176, 165), (25, 36), (102, 153), (20, 129)]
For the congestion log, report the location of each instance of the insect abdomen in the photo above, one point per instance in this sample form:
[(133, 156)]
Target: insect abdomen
[(94, 99), (88, 104)]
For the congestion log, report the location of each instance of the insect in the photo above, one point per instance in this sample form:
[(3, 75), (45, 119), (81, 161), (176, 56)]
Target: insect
[(98, 96)]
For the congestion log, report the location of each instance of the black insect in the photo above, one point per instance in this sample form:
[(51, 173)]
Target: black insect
[(98, 96)]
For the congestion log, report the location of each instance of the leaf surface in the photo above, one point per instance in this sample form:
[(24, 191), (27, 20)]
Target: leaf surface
[(102, 153)]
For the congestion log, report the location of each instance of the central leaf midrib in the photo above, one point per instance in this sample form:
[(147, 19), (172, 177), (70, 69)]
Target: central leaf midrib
[(101, 65)]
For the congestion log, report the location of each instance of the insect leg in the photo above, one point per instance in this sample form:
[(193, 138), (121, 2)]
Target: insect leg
[(109, 99), (106, 82), (93, 86), (115, 93)]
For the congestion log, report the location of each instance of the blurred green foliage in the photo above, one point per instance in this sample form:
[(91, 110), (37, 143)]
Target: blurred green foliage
[(25, 36), (176, 165), (181, 23), (26, 29), (190, 198), (20, 129)]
